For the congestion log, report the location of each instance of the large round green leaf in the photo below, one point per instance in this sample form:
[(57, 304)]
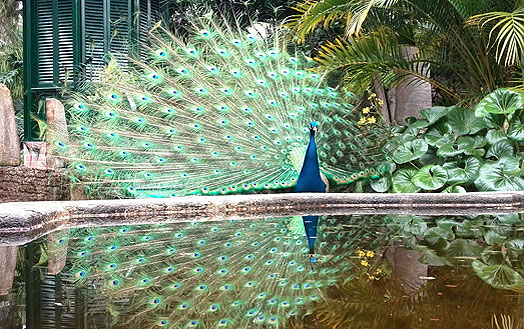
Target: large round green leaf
[(432, 114), (464, 121), (500, 149), (516, 131), (430, 157), (438, 238), (410, 151), (430, 177), (501, 101), (495, 177), (509, 164), (429, 256), (460, 248), (438, 131), (515, 247), (449, 150), (454, 189), (494, 239), (498, 276), (381, 185), (463, 172), (402, 181), (495, 135), (472, 146)]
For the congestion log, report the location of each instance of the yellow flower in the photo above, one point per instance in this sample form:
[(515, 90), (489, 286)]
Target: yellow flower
[(372, 120), (370, 254), (371, 277), (364, 263), (365, 110), (360, 253), (362, 121), (379, 101), (378, 271)]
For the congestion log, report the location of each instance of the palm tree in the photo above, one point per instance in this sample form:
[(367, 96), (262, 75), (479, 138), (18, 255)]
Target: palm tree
[(374, 52)]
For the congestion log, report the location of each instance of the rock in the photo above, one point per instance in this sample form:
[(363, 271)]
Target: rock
[(9, 142), (56, 129), (7, 268)]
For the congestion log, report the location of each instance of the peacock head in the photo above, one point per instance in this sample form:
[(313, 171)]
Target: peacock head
[(313, 126)]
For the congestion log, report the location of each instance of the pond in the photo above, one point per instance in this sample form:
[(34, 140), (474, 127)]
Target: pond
[(371, 271)]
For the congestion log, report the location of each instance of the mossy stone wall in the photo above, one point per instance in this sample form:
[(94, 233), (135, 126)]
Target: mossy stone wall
[(31, 184)]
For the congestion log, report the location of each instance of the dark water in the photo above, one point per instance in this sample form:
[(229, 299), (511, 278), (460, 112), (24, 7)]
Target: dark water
[(371, 272)]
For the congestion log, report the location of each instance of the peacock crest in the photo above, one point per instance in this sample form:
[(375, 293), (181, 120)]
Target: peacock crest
[(219, 111)]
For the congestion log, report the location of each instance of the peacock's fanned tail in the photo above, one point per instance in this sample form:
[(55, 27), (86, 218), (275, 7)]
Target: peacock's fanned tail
[(234, 274), (222, 110)]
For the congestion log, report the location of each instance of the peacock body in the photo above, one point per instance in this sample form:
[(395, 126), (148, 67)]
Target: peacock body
[(229, 274), (219, 111)]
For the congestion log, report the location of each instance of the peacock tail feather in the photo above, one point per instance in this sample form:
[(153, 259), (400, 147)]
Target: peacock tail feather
[(234, 274), (222, 110)]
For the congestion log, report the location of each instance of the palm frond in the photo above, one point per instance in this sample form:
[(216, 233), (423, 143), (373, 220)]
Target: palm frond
[(507, 29), (468, 8), (379, 53), (312, 13)]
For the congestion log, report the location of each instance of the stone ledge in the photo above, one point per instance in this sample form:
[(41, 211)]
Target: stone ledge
[(22, 222)]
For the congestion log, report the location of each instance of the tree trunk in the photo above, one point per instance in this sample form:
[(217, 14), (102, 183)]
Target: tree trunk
[(406, 268), (406, 99), (413, 94)]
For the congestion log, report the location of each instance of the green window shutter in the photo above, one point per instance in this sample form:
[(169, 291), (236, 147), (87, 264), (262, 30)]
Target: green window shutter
[(120, 19), (149, 15), (65, 40), (107, 25), (94, 37), (45, 41), (54, 41)]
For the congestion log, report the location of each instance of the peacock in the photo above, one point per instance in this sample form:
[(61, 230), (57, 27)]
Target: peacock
[(229, 274), (218, 110)]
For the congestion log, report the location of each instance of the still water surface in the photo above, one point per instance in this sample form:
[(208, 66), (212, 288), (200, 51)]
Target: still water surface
[(370, 272)]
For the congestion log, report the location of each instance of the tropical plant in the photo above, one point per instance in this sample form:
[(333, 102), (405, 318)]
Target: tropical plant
[(11, 55), (492, 245), (455, 149), (11, 49), (464, 66)]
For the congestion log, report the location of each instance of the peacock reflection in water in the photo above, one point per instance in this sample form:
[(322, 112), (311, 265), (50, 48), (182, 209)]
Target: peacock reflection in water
[(235, 274), (371, 272)]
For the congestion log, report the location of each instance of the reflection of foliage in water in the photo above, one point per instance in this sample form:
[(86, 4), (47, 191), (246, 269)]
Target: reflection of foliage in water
[(494, 245), (456, 299), (462, 296)]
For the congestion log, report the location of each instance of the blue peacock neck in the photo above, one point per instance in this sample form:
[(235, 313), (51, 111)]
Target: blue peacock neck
[(310, 180)]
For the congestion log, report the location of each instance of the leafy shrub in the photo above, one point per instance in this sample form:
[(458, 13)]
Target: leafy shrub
[(454, 149), (493, 244)]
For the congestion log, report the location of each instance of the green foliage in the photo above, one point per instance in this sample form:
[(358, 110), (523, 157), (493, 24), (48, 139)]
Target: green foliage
[(11, 49), (466, 61), (454, 149), (11, 57), (493, 244)]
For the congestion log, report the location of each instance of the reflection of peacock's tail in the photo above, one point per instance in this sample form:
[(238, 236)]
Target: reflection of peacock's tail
[(235, 274), (220, 111)]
